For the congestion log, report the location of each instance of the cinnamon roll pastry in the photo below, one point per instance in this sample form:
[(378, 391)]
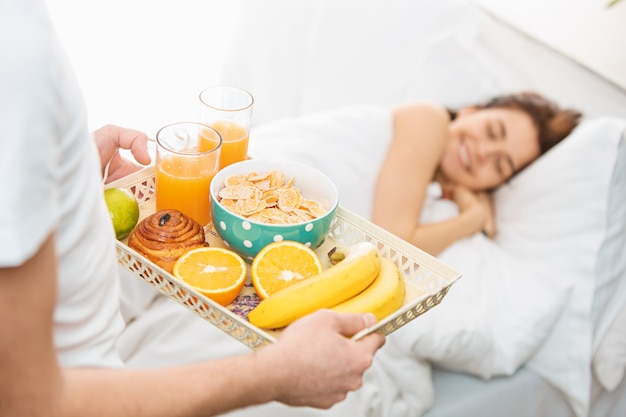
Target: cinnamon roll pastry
[(166, 235)]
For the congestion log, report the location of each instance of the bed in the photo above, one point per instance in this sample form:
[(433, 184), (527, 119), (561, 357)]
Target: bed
[(537, 325)]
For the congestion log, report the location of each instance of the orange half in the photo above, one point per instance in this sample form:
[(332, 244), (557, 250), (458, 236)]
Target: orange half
[(215, 272), (280, 264)]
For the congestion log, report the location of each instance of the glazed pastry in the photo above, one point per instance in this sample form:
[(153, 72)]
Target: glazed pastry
[(166, 235)]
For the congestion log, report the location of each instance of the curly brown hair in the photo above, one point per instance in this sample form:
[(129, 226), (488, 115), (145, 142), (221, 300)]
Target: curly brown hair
[(553, 122)]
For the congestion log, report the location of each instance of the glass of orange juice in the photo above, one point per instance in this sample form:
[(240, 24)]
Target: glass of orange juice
[(229, 110), (187, 158)]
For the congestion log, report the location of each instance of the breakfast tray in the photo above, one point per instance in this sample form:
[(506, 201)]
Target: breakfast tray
[(427, 278)]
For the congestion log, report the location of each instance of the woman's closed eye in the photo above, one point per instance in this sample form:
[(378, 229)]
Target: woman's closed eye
[(503, 165), (491, 132), (496, 130)]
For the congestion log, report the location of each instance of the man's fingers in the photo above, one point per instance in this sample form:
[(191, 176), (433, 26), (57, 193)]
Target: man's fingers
[(351, 324), (373, 341), (139, 147)]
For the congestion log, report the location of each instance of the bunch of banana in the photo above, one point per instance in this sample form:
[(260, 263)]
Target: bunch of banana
[(334, 285), (384, 296)]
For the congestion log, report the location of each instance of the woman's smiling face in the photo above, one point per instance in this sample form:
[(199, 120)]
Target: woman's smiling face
[(487, 146)]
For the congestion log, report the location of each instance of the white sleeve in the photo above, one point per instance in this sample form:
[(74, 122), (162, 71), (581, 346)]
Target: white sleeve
[(50, 182), (27, 124)]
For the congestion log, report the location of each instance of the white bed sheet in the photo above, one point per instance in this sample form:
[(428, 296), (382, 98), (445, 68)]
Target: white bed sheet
[(172, 335), (521, 395)]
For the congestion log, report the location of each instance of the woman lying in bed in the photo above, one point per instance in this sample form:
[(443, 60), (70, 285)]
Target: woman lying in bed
[(469, 153)]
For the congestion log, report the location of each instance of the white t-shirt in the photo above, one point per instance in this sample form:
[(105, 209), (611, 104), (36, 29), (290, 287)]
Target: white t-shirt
[(50, 182)]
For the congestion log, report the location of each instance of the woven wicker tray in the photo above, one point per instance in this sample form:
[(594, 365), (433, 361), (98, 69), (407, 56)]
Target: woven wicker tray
[(427, 279)]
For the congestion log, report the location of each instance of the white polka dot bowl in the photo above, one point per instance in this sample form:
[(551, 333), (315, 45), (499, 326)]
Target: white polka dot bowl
[(248, 233)]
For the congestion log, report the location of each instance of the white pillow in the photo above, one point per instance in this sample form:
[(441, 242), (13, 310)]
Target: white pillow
[(494, 318), (609, 361), (558, 215)]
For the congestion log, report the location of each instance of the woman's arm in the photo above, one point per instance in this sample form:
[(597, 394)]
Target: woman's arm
[(420, 136)]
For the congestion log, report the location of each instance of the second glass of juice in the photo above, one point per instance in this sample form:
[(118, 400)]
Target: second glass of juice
[(187, 159), (229, 110)]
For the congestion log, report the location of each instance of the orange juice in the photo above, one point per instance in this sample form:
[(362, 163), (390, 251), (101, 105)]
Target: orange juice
[(184, 187), (187, 160), (234, 142)]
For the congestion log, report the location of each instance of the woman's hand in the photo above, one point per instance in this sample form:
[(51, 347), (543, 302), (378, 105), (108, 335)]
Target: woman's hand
[(110, 139), (477, 204)]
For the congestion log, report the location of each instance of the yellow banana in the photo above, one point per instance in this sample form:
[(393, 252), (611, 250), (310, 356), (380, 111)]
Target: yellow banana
[(384, 296), (332, 286)]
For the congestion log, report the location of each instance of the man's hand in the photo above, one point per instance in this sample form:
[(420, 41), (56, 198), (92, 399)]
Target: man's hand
[(315, 361), (110, 139)]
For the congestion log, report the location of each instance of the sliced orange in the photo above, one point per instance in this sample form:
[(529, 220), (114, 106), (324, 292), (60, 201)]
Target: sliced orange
[(215, 272), (281, 264)]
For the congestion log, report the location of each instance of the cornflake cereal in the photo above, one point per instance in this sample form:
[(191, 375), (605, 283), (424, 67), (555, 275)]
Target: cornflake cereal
[(266, 198)]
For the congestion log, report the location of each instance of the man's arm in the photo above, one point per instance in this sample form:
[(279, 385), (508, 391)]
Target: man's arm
[(313, 364)]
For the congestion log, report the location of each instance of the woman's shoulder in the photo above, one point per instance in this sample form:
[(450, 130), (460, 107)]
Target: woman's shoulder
[(423, 108)]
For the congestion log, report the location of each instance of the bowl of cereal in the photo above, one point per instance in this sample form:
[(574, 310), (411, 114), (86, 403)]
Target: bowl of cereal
[(256, 202)]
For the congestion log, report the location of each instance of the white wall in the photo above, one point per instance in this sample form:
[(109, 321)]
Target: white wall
[(585, 30), (142, 63)]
